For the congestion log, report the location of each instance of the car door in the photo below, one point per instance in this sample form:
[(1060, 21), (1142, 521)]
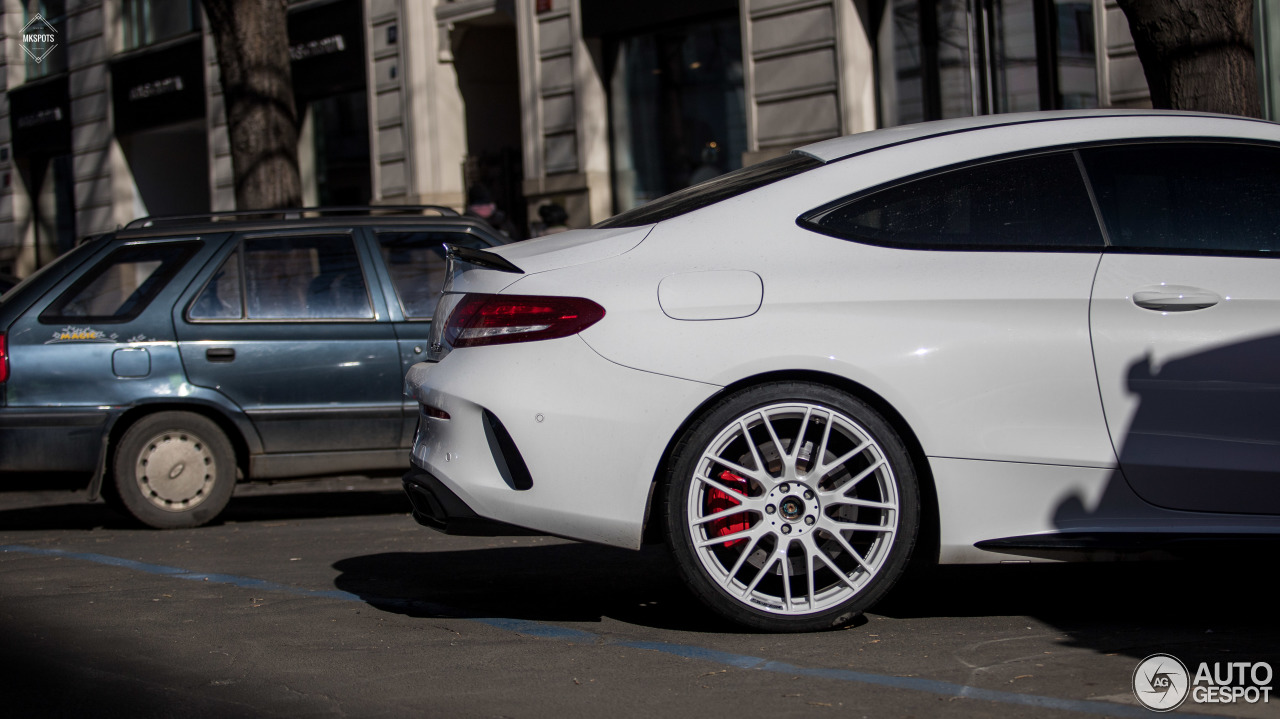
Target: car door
[(287, 327), (414, 262), (1185, 319), (101, 338)]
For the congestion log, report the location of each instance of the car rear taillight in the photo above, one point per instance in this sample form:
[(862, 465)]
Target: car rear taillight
[(503, 319), (4, 360)]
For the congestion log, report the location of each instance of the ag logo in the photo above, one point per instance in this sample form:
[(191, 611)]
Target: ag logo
[(1161, 682)]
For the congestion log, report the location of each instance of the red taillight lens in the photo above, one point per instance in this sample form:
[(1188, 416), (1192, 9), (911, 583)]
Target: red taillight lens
[(503, 319), (4, 360)]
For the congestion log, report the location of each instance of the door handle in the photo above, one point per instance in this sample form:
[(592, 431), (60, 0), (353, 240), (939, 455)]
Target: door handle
[(1175, 298), (220, 354)]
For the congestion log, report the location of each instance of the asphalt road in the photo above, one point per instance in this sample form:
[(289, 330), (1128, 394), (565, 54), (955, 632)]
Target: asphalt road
[(324, 599)]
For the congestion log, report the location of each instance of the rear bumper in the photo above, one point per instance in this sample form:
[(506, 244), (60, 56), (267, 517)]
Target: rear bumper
[(437, 507), (52, 439), (549, 435)]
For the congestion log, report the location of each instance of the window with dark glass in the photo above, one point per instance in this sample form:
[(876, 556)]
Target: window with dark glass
[(292, 278), (416, 261), (121, 286), (940, 59), (1189, 197), (728, 185), (677, 106), (1031, 203), (146, 22)]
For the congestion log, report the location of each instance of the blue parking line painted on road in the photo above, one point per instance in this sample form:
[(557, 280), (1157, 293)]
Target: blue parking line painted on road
[(177, 573), (688, 651)]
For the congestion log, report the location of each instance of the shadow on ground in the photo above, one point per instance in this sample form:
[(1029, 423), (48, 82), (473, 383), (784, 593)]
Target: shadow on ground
[(1208, 608), (556, 582)]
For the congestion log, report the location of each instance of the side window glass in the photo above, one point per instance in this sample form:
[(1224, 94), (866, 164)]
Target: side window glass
[(416, 263), (1030, 203), (121, 286), (304, 278), (1189, 197), (221, 299)]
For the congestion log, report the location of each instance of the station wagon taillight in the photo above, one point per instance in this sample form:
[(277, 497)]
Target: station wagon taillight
[(481, 319), (4, 360)]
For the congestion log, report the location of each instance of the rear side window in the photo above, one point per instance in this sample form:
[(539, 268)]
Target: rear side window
[(1026, 203), (1197, 198), (293, 278), (122, 285), (416, 263), (714, 190)]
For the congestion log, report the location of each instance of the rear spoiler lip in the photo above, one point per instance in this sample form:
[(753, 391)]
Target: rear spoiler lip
[(479, 258)]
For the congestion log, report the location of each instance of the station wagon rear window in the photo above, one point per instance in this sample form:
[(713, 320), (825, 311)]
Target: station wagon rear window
[(120, 287)]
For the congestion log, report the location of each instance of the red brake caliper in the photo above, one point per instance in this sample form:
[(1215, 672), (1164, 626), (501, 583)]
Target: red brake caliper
[(718, 501)]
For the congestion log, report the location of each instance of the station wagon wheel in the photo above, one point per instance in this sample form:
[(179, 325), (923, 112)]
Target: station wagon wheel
[(791, 507), (174, 469)]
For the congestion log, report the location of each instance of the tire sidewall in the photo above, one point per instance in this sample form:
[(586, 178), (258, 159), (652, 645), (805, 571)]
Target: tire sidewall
[(702, 432), (131, 444)]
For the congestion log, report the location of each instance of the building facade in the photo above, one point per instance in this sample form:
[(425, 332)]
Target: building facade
[(112, 109)]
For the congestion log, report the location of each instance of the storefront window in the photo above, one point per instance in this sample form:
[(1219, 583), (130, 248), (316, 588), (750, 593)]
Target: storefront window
[(339, 149), (676, 109), (1077, 56), (147, 22), (954, 58), (1267, 22)]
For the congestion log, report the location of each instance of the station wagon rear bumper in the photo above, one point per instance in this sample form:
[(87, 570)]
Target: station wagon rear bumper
[(52, 440)]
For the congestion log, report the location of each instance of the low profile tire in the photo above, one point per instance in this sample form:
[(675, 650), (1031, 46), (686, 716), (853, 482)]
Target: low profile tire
[(174, 469), (791, 507)]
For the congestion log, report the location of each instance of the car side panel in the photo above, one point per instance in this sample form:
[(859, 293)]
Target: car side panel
[(307, 386), (986, 355)]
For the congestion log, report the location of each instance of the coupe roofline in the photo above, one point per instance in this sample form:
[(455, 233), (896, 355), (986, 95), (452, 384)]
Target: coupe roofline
[(846, 146)]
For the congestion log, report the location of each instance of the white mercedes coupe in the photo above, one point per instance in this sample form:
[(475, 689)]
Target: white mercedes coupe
[(1046, 336)]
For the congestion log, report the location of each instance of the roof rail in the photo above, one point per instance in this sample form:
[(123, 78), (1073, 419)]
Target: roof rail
[(292, 213)]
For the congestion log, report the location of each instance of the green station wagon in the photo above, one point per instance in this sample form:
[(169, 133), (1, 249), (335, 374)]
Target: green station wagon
[(168, 360)]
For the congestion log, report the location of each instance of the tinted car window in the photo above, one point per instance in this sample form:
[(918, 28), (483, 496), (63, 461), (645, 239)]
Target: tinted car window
[(714, 190), (416, 263), (1035, 202), (1190, 197), (287, 278), (120, 287)]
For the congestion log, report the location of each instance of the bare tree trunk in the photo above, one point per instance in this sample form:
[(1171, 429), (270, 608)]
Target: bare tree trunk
[(257, 84), (1197, 54)]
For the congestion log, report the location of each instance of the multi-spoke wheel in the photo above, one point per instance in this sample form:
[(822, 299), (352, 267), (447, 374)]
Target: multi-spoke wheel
[(174, 469), (791, 507)]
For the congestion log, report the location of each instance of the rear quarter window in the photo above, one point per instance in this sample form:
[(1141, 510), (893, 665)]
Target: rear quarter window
[(728, 185), (122, 285), (1024, 203)]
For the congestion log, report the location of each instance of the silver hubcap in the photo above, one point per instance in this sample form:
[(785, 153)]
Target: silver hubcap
[(793, 508), (175, 471)]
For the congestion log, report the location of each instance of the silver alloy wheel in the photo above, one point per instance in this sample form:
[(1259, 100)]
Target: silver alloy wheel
[(793, 509), (175, 470)]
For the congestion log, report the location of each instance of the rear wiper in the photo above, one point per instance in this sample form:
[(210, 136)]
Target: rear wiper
[(480, 258)]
